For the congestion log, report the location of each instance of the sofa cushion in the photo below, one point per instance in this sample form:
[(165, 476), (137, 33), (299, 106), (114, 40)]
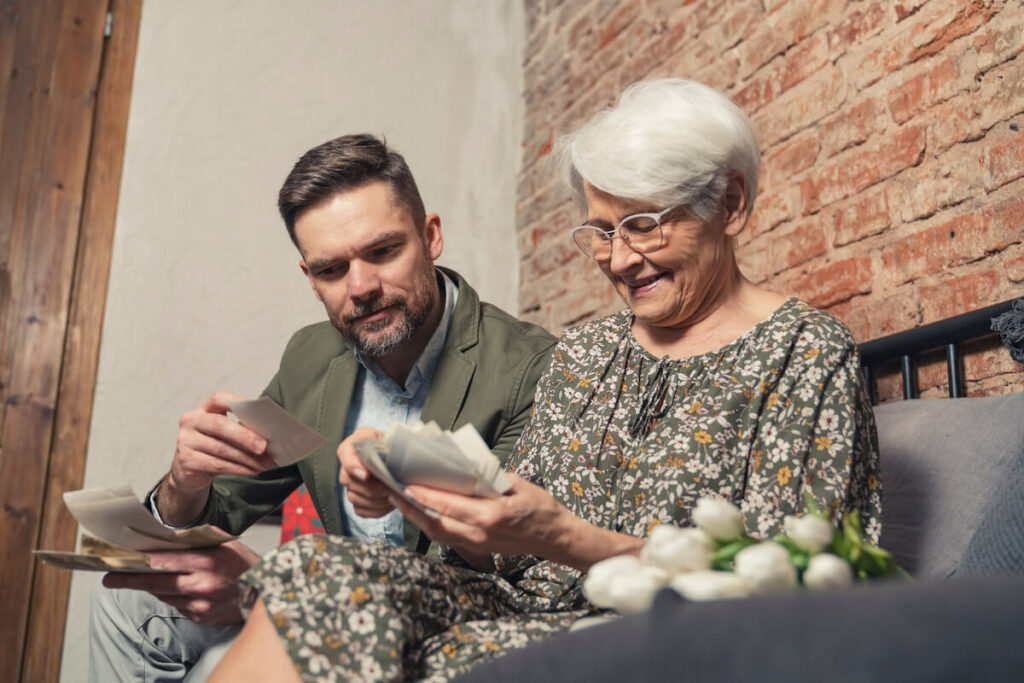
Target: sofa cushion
[(944, 463)]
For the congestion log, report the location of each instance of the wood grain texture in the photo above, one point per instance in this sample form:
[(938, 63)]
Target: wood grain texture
[(60, 47), (49, 597)]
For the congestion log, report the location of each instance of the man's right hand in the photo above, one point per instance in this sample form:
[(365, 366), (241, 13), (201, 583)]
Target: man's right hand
[(205, 589), (367, 494), (209, 443)]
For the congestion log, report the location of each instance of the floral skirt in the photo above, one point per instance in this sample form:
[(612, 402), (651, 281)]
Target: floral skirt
[(348, 610)]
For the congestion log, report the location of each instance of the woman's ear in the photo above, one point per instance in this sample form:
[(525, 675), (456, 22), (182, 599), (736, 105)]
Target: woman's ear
[(735, 204)]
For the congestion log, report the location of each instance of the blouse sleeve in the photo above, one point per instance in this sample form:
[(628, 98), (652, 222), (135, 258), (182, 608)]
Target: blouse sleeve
[(815, 438)]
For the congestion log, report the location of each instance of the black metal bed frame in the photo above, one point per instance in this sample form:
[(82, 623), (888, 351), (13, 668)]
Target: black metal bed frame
[(948, 333)]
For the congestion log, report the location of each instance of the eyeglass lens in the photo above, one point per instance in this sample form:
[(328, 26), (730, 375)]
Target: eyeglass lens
[(642, 233)]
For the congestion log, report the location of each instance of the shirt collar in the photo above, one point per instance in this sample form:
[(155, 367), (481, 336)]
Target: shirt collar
[(425, 365)]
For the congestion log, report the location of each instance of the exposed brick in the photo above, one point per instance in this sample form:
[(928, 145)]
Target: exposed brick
[(654, 53), (1008, 219), (882, 123), (921, 191), (885, 55), (955, 242), (799, 245), (535, 43), (534, 13), (810, 101), (783, 73), (783, 28), (906, 8), (580, 32), (615, 23), (937, 84), (1004, 162), (958, 295), (759, 91), (771, 208), (754, 261), (834, 282), (853, 125), (864, 21), (1001, 95), (943, 32), (784, 162), (862, 167), (873, 319), (739, 21), (864, 215), (722, 76), (988, 359), (1014, 268), (544, 202), (952, 122), (1002, 38)]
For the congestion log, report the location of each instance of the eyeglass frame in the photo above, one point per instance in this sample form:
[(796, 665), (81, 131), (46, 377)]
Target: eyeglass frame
[(656, 216)]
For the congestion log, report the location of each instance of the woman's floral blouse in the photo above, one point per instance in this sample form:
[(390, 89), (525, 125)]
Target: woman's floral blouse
[(626, 441)]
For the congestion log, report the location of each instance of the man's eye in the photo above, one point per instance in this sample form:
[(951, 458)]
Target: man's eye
[(329, 271)]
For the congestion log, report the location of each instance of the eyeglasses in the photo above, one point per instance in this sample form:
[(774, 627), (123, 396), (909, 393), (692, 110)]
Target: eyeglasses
[(640, 231)]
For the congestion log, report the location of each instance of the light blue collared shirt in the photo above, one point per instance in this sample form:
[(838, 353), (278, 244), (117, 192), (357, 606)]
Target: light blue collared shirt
[(377, 401)]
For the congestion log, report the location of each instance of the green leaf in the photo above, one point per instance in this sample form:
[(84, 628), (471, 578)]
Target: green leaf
[(800, 560), (811, 506), (723, 557)]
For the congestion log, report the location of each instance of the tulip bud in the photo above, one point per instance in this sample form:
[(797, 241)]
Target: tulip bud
[(677, 550), (828, 571), (709, 585), (811, 533), (722, 520), (766, 568), (623, 583)]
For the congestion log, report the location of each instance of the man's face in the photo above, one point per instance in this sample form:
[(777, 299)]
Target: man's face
[(370, 266)]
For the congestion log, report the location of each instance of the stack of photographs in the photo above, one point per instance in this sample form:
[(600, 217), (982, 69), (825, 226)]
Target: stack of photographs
[(425, 454)]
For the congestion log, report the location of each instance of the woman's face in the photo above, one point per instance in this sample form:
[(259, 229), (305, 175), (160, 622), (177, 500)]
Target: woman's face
[(672, 285)]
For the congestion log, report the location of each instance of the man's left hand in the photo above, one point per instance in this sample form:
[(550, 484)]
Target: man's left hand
[(205, 587)]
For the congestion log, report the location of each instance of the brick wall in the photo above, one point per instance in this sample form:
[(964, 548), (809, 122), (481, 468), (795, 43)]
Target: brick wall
[(892, 138)]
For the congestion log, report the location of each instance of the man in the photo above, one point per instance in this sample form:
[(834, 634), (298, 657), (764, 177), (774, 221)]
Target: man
[(405, 340)]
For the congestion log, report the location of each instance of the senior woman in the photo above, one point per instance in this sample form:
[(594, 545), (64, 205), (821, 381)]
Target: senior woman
[(706, 384)]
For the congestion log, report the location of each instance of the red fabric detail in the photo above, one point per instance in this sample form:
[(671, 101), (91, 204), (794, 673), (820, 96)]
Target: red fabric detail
[(298, 516)]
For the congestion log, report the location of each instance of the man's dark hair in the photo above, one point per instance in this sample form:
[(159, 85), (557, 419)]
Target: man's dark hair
[(343, 164)]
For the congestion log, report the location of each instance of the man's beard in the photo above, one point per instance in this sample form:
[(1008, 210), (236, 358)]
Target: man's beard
[(399, 327)]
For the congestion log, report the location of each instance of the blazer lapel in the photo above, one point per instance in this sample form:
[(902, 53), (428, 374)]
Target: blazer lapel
[(448, 388), (333, 413), (454, 369)]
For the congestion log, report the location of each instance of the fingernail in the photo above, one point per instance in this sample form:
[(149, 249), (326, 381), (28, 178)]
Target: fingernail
[(260, 444)]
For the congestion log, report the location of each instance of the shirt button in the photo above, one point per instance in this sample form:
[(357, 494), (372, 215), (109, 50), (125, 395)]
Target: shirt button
[(401, 400)]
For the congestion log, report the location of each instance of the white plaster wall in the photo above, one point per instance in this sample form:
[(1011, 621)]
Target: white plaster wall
[(205, 288)]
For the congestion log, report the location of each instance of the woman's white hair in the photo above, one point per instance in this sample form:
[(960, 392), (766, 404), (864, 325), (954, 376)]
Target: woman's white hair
[(666, 142)]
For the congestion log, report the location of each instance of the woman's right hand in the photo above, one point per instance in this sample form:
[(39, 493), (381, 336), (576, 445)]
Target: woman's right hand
[(367, 494)]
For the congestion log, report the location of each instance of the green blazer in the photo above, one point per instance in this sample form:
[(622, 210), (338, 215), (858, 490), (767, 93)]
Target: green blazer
[(485, 376)]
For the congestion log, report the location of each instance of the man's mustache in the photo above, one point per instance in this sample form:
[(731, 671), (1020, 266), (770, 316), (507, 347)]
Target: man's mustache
[(366, 308)]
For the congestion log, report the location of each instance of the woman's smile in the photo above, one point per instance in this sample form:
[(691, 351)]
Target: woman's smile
[(644, 285)]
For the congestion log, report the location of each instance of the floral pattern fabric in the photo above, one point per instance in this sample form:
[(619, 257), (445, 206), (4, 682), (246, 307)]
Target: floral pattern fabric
[(624, 440)]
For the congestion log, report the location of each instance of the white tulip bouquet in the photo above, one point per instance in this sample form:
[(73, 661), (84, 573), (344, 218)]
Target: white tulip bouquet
[(718, 560)]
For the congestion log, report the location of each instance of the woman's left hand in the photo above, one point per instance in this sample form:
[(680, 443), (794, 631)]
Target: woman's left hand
[(526, 520)]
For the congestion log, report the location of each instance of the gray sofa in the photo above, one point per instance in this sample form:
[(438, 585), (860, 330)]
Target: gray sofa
[(951, 484), (953, 515)]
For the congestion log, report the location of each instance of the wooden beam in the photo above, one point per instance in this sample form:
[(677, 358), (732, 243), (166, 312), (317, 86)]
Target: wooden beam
[(49, 599), (47, 215)]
